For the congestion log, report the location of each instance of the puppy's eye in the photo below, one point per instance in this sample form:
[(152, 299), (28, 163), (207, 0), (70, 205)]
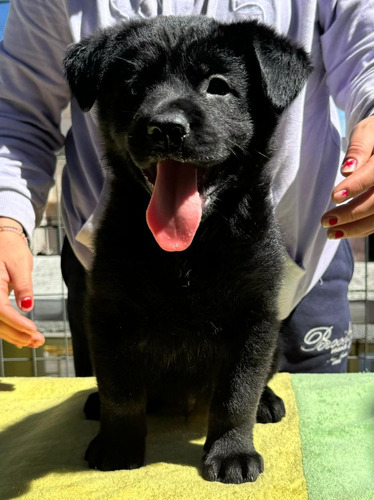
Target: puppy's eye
[(218, 86)]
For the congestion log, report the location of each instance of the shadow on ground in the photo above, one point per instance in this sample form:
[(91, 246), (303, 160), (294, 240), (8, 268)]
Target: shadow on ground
[(55, 440)]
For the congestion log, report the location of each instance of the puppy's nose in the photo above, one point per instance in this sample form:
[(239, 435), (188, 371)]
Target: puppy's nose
[(168, 130)]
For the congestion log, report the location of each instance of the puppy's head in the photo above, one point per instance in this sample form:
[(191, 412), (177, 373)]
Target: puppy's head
[(191, 102)]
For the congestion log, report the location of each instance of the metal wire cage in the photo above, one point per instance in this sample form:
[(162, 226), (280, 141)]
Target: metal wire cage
[(361, 298)]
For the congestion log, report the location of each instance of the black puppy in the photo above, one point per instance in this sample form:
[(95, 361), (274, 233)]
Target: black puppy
[(188, 257)]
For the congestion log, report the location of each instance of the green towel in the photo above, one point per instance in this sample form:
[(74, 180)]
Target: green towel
[(323, 449), (336, 413)]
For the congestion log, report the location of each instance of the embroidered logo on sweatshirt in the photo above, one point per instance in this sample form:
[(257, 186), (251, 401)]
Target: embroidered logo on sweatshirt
[(320, 340)]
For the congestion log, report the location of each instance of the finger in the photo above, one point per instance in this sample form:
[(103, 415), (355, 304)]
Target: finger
[(360, 147), (16, 268), (9, 314), (14, 319), (21, 279), (357, 229), (37, 340), (14, 336), (20, 339), (358, 182), (360, 207)]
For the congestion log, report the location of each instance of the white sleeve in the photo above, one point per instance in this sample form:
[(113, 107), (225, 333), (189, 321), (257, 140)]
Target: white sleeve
[(33, 92), (347, 41)]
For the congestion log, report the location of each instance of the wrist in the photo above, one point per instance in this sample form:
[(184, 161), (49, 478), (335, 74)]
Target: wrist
[(11, 225), (7, 221)]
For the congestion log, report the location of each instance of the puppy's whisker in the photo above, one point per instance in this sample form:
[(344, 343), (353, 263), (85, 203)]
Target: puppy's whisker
[(235, 145), (235, 149), (128, 61), (262, 154)]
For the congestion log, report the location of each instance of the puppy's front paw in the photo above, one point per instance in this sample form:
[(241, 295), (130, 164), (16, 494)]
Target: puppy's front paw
[(271, 408), (235, 468), (106, 455)]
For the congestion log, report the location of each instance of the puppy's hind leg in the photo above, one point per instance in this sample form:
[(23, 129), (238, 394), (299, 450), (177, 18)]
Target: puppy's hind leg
[(271, 407)]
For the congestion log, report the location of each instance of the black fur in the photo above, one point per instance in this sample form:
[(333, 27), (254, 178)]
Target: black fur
[(167, 325)]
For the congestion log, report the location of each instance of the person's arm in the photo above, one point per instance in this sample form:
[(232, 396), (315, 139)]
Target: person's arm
[(33, 91), (348, 48)]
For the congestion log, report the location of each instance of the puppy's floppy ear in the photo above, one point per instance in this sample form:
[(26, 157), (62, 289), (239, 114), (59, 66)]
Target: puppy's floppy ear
[(284, 65), (85, 64)]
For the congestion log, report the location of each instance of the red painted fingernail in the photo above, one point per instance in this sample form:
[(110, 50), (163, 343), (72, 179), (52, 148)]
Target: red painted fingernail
[(342, 194), (26, 303), (333, 221), (349, 165), (336, 235)]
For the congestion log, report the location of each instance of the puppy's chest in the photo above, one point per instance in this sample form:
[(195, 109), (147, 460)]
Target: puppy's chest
[(183, 288), (184, 295)]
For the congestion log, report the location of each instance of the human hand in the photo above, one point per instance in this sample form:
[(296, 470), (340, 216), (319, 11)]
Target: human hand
[(15, 274), (354, 219)]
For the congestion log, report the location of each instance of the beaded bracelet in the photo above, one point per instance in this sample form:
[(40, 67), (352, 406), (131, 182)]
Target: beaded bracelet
[(17, 231)]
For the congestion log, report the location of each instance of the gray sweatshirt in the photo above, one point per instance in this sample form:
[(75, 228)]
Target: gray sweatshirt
[(339, 36)]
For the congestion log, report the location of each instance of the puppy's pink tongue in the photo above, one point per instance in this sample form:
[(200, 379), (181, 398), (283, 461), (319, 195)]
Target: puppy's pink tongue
[(174, 212)]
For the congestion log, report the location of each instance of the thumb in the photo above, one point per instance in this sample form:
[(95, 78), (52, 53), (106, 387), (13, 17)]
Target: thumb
[(360, 147), (21, 279)]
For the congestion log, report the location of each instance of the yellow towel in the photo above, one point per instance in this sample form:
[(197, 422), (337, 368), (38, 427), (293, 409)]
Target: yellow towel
[(43, 437)]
